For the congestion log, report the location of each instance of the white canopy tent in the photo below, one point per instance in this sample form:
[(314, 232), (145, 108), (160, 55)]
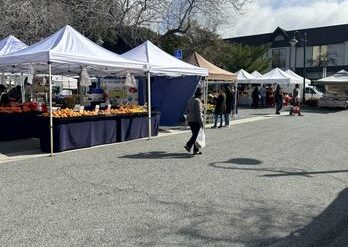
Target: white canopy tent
[(277, 76), (68, 51), (243, 77), (11, 44), (256, 74), (160, 62), (341, 77), (337, 83), (292, 73)]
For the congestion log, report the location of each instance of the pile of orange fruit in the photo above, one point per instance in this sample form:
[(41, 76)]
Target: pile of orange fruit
[(126, 109)]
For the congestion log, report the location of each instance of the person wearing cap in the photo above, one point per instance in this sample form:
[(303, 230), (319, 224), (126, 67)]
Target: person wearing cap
[(195, 120)]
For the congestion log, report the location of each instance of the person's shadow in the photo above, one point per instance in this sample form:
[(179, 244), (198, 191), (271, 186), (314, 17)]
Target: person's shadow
[(158, 155)]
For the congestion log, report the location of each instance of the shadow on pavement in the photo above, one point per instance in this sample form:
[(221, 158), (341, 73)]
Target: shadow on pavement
[(330, 228), (236, 161), (158, 155), (13, 148), (319, 110), (303, 173), (247, 161)]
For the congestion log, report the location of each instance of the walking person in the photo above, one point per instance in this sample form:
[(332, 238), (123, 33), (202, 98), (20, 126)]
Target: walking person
[(278, 96), (296, 98), (220, 108), (195, 120), (229, 105), (263, 94)]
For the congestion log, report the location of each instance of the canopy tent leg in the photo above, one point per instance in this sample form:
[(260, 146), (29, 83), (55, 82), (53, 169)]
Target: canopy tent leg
[(149, 101), (22, 88), (50, 103), (205, 98)]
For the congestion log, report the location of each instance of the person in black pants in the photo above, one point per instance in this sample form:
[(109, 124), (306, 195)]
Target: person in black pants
[(278, 96), (195, 120)]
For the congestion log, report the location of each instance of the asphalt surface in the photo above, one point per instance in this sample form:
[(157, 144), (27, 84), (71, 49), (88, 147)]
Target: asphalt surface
[(280, 181)]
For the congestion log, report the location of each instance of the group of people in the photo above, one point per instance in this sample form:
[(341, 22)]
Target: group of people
[(224, 106)]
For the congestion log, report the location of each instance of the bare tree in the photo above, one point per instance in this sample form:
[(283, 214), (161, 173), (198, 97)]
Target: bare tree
[(131, 20)]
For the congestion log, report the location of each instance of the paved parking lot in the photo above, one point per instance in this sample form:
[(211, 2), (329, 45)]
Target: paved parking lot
[(281, 181)]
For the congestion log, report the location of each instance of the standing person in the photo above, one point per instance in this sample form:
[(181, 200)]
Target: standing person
[(15, 94), (256, 97), (263, 93), (195, 120), (278, 96), (296, 97), (229, 105), (220, 107), (235, 101)]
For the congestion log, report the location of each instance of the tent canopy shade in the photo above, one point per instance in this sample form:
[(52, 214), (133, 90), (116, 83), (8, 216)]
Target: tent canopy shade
[(243, 77), (256, 74), (277, 76), (69, 50), (215, 73), (341, 77), (11, 44), (160, 62), (292, 73)]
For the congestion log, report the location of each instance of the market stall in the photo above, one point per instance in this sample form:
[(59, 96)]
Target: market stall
[(81, 131), (244, 79), (171, 80), (336, 87), (215, 75), (67, 52)]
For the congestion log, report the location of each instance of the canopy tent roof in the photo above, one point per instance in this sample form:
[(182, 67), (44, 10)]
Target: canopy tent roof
[(215, 73), (256, 74), (243, 77), (11, 44), (341, 77), (277, 76), (160, 62), (68, 50), (292, 73)]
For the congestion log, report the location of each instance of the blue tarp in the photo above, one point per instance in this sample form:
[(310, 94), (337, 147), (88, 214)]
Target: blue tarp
[(170, 96)]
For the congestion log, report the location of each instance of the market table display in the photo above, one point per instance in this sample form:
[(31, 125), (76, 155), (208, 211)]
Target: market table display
[(136, 126), (19, 121), (78, 132), (72, 130)]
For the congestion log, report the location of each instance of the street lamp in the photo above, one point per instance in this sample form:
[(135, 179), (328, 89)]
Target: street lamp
[(293, 42)]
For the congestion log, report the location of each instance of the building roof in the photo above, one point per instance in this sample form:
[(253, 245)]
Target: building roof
[(315, 36)]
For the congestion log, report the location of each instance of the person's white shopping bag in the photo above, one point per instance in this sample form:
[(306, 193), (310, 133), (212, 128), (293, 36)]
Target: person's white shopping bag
[(200, 141)]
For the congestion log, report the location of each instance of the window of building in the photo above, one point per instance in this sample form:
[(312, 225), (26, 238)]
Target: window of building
[(320, 55), (278, 58), (279, 38)]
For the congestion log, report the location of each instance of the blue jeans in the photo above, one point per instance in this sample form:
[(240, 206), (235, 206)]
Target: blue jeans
[(279, 105), (227, 119), (217, 115)]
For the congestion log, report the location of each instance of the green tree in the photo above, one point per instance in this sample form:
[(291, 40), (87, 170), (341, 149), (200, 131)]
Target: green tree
[(246, 57)]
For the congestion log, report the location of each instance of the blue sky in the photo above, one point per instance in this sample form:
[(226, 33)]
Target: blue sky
[(262, 16)]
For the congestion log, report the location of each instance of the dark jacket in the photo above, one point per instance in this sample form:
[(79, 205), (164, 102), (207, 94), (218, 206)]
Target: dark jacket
[(220, 104), (229, 101)]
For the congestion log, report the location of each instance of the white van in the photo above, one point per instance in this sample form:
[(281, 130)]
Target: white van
[(312, 92)]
